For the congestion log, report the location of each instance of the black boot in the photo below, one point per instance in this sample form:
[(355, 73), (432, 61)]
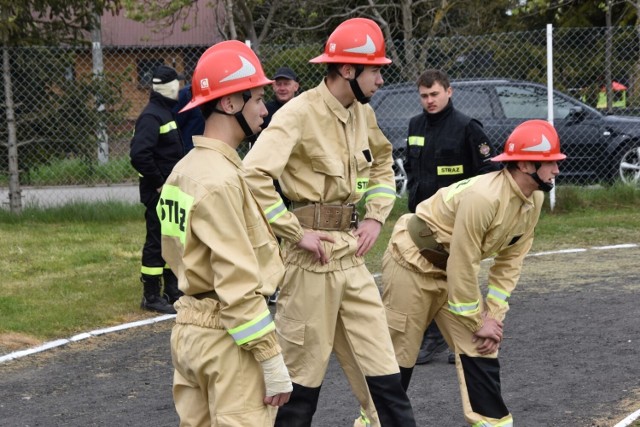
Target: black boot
[(432, 343), (391, 401), (299, 410), (171, 291), (151, 299)]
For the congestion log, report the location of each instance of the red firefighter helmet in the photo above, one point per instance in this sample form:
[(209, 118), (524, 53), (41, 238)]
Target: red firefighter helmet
[(355, 41), (225, 68), (533, 140)]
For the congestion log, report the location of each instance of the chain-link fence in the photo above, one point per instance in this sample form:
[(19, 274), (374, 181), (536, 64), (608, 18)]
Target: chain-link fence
[(67, 127)]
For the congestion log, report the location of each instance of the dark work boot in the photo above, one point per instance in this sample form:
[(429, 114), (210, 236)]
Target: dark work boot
[(171, 291), (151, 299), (432, 344), (299, 410), (391, 401)]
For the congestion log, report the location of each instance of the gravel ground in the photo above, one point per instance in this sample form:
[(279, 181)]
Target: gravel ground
[(570, 358)]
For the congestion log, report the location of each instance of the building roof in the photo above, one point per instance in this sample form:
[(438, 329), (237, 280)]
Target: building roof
[(119, 30)]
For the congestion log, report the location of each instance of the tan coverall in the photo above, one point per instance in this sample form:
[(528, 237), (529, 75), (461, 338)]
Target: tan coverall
[(219, 244), (322, 152), (474, 219)]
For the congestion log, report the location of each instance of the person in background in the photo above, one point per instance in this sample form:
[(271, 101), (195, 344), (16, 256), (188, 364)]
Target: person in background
[(431, 265), (228, 366), (328, 153), (285, 86), (443, 146), (189, 122), (155, 148)]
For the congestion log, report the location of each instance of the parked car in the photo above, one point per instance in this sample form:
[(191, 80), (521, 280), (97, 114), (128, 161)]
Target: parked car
[(600, 148)]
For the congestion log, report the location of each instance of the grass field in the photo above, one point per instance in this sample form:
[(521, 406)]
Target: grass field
[(76, 268)]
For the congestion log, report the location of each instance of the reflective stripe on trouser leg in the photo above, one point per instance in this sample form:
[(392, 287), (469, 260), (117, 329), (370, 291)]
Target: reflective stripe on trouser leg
[(204, 357), (152, 262), (411, 300)]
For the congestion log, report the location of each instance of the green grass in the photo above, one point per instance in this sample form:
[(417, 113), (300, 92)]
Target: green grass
[(78, 171), (75, 268)]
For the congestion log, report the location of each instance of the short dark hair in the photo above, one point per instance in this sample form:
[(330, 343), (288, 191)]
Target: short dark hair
[(432, 76)]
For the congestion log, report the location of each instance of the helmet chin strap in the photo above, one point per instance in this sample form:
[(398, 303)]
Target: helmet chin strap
[(355, 87), (544, 186)]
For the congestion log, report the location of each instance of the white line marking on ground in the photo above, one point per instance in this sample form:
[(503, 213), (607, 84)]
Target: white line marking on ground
[(627, 421), (80, 337)]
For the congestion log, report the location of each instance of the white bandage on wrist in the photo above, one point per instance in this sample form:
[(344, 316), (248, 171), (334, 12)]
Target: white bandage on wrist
[(276, 376)]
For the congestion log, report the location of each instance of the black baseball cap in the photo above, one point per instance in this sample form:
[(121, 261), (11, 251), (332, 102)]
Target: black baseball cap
[(285, 73), (165, 74)]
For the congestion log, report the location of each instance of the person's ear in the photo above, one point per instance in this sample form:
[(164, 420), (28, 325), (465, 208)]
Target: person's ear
[(226, 104), (346, 71)]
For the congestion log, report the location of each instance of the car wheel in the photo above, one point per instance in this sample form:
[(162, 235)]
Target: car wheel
[(400, 176), (629, 166)]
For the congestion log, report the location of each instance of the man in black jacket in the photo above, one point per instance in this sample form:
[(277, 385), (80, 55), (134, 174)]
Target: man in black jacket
[(155, 148), (443, 146)]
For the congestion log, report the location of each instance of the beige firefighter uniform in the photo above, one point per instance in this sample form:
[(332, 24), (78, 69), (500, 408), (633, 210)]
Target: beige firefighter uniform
[(218, 242), (323, 153), (474, 219)]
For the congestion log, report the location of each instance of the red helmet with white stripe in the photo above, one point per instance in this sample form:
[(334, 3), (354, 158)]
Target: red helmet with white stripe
[(533, 140), (225, 68), (355, 41)]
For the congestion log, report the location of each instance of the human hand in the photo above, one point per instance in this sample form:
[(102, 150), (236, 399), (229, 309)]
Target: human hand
[(276, 380), (491, 328), (312, 241), (367, 233)]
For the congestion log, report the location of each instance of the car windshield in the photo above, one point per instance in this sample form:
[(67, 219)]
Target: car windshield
[(528, 102)]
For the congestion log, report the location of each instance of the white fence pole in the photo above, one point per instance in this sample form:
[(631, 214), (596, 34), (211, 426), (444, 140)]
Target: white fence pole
[(552, 195)]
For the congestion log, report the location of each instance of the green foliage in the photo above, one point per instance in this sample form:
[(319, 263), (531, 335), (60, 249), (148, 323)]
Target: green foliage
[(296, 58), (31, 22)]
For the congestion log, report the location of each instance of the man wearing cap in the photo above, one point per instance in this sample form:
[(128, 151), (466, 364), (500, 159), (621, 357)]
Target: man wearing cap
[(328, 153), (155, 148), (431, 266), (285, 86)]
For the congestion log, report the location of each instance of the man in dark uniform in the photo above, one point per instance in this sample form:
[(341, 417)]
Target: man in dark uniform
[(444, 146), (285, 87), (155, 148)]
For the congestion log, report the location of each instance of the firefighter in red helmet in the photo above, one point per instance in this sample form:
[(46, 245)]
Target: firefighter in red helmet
[(430, 268), (228, 366), (327, 152)]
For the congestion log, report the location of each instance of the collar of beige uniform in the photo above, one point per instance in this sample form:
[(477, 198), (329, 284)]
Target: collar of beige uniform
[(516, 188), (219, 146), (334, 105)]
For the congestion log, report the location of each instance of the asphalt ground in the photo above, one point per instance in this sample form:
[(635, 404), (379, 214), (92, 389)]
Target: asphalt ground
[(570, 357)]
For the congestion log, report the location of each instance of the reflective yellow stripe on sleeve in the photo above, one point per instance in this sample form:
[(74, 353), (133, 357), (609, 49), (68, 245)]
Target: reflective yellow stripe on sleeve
[(416, 140), (464, 309), (498, 295), (256, 328), (166, 128), (380, 190), (275, 211)]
